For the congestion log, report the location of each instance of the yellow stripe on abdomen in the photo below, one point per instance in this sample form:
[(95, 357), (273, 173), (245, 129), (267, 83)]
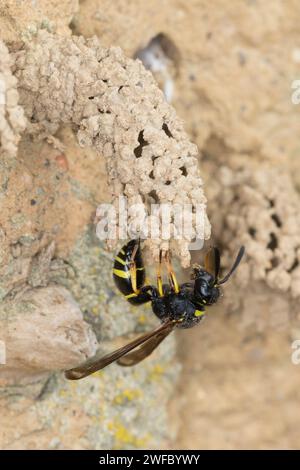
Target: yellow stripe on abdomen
[(120, 260), (120, 273)]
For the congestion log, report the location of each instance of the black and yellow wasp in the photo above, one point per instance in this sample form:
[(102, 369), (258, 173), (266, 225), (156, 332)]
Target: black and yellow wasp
[(176, 306)]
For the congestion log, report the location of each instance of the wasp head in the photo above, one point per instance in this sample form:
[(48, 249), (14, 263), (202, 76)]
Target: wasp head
[(207, 285), (205, 288)]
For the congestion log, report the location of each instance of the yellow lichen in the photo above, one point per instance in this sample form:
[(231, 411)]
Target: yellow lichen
[(156, 372), (142, 319), (98, 374), (127, 395), (125, 437)]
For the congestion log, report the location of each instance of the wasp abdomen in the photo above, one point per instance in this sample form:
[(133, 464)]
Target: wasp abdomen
[(130, 281)]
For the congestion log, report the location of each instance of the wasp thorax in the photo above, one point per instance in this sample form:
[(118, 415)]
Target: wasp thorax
[(182, 310)]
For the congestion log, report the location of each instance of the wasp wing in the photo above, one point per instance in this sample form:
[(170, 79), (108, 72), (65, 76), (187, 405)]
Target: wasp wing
[(212, 262), (146, 348), (94, 364)]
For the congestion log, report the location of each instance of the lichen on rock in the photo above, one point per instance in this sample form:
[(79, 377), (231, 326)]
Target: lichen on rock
[(118, 408)]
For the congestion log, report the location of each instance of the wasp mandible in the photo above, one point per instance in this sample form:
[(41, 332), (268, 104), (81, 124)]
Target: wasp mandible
[(176, 305)]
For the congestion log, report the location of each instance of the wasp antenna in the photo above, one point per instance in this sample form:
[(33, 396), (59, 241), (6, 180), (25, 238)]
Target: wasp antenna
[(235, 265)]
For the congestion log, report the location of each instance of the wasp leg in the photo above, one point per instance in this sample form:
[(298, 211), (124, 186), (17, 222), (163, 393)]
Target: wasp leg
[(158, 277), (171, 274), (144, 295), (132, 268)]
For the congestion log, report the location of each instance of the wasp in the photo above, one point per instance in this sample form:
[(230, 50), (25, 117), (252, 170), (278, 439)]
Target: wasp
[(175, 305)]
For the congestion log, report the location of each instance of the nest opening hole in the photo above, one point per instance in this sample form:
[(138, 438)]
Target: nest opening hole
[(159, 50), (153, 195), (183, 170), (142, 143), (277, 220), (252, 232), (273, 243), (167, 131)]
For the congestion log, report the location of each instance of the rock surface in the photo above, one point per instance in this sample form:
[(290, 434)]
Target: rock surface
[(61, 338)]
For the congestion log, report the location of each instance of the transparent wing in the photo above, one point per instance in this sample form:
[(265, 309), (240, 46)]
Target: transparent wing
[(212, 262), (94, 364)]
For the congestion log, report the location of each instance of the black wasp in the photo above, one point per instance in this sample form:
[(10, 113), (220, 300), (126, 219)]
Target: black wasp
[(176, 306)]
